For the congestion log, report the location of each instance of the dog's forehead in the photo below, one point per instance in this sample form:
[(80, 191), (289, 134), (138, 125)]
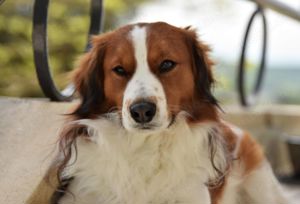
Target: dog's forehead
[(153, 31), (164, 30), (150, 41)]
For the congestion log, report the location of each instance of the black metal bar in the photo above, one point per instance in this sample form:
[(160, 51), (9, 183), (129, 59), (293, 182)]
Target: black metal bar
[(279, 7), (96, 24), (244, 99), (1, 2), (40, 47)]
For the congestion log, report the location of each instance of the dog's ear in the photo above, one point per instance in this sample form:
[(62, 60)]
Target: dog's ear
[(88, 79), (202, 66)]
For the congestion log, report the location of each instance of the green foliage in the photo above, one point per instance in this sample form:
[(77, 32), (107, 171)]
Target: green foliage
[(67, 35)]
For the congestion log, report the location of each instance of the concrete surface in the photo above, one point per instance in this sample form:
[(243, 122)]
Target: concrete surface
[(28, 132), (29, 129)]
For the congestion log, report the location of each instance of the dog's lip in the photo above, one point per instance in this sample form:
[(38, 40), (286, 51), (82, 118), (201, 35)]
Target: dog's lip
[(145, 126)]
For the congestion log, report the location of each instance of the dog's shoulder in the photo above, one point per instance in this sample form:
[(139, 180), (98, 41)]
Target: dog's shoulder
[(242, 146)]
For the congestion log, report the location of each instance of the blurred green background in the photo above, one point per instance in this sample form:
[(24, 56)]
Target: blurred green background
[(67, 36), (66, 18)]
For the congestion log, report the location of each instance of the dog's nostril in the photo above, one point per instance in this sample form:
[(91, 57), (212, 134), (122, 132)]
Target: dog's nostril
[(148, 113), (135, 114), (143, 112)]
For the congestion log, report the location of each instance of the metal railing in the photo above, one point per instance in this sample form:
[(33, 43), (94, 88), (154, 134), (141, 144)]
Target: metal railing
[(40, 47), (251, 98), (279, 7)]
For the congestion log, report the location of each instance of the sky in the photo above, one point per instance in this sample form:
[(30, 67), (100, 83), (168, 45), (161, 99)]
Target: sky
[(222, 24)]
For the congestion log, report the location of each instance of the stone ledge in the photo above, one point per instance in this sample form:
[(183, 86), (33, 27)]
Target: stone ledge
[(29, 129), (28, 133)]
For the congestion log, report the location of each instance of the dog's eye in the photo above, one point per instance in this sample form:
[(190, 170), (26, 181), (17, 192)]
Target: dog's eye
[(119, 70), (166, 66)]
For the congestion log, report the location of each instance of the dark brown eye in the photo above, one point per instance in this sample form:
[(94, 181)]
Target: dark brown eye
[(166, 66), (119, 70)]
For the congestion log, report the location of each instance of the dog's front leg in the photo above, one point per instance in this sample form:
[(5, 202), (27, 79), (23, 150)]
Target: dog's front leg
[(261, 187)]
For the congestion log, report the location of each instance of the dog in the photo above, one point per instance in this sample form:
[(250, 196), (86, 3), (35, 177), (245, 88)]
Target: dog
[(148, 129)]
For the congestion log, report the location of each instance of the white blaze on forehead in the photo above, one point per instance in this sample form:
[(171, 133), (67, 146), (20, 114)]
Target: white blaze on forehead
[(139, 40), (143, 84), (143, 79)]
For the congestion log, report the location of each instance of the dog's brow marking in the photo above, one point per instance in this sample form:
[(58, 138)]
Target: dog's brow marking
[(139, 37)]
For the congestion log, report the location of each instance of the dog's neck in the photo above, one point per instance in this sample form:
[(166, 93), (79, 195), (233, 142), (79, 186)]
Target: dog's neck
[(114, 161)]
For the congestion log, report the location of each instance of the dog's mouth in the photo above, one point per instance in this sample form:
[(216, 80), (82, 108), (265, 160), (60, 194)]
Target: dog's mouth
[(116, 116), (151, 126), (146, 126)]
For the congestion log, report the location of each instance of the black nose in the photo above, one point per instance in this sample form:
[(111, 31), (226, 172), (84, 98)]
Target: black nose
[(143, 112)]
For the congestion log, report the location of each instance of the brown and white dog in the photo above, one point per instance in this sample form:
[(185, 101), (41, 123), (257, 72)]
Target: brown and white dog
[(148, 129)]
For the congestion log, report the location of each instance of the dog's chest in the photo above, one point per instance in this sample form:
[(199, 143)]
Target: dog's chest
[(168, 168)]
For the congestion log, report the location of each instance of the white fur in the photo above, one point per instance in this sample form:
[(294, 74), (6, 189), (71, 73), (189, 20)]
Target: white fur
[(259, 187), (118, 167), (239, 137), (231, 193), (262, 187), (144, 86)]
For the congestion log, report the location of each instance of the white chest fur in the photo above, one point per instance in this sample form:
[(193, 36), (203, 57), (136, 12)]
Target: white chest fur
[(116, 167)]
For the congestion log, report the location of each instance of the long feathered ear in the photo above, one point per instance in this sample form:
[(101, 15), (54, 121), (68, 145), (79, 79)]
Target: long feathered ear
[(88, 79), (67, 149), (202, 65)]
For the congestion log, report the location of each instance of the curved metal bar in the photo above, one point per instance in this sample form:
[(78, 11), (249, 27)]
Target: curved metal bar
[(96, 24), (280, 7), (40, 47), (1, 2), (244, 100)]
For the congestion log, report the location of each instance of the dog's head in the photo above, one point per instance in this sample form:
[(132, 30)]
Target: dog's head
[(148, 73)]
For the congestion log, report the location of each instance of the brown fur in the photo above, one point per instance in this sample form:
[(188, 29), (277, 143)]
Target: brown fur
[(181, 84), (216, 193), (250, 154), (100, 88), (163, 42)]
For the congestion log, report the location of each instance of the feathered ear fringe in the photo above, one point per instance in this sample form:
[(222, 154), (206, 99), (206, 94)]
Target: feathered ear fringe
[(55, 178), (218, 148), (67, 142), (88, 79), (67, 148), (202, 64)]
